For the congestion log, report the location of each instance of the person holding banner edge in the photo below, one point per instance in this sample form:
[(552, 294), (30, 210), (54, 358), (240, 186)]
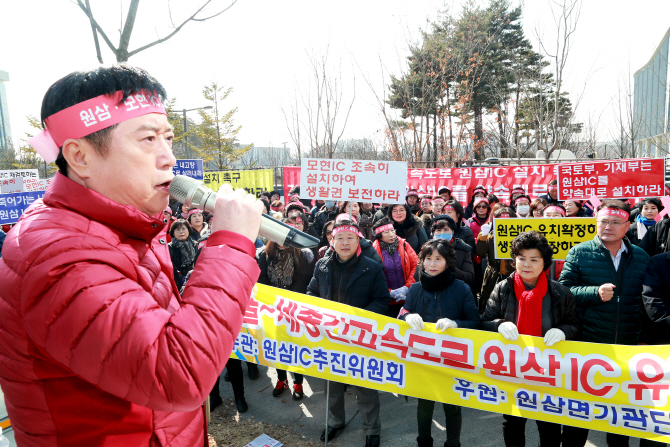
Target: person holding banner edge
[(441, 298), (529, 303), (346, 276), (119, 349), (605, 276)]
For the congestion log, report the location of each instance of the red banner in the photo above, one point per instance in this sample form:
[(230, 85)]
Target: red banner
[(612, 179), (499, 180)]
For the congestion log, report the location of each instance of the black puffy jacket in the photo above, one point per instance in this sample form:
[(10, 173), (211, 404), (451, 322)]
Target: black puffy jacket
[(503, 306), (366, 288), (455, 302), (656, 300), (588, 266), (301, 279), (657, 239)]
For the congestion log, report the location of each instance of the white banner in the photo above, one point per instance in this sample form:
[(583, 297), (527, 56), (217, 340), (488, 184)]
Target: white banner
[(35, 184), (356, 180), (18, 173), (11, 185)]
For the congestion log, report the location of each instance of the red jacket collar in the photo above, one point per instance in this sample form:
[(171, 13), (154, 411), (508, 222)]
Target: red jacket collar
[(68, 194)]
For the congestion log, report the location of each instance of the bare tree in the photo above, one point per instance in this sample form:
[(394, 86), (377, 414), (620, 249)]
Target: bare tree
[(322, 114), (121, 51)]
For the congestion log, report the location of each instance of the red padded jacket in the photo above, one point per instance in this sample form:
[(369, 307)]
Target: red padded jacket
[(96, 346)]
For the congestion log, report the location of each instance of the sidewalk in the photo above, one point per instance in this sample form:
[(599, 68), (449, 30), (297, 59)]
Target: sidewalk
[(308, 416)]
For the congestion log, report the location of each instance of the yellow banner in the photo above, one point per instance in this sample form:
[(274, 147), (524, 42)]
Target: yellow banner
[(611, 388), (254, 181), (562, 233)]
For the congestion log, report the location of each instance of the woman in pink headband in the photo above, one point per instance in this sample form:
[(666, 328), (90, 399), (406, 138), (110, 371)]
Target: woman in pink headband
[(478, 192)]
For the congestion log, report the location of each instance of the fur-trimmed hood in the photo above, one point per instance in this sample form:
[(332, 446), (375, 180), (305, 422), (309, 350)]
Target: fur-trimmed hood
[(408, 228)]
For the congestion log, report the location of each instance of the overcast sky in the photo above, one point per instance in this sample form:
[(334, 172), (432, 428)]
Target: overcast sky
[(260, 48)]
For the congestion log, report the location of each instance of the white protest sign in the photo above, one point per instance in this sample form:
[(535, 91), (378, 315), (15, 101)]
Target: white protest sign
[(18, 173), (11, 185), (353, 180), (35, 184)]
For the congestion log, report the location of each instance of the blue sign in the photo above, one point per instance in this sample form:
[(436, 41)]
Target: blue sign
[(189, 168), (13, 205)]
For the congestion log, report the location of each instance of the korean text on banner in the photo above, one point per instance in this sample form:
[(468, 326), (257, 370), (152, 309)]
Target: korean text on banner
[(254, 182), (12, 185), (562, 233), (189, 168), (18, 173), (13, 205), (499, 180), (612, 179), (358, 180), (611, 388), (36, 184)]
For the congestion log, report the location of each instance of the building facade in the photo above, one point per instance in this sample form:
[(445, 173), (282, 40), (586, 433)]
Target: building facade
[(5, 132), (651, 106)]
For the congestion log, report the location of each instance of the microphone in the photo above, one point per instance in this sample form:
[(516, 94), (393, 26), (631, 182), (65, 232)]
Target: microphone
[(195, 194)]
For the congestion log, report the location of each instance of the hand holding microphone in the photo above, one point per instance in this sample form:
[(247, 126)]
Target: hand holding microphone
[(237, 211)]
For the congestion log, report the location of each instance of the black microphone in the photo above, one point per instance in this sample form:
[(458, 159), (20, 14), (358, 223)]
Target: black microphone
[(195, 194)]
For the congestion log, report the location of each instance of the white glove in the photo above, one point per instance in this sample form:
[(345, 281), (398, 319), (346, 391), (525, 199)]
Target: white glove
[(394, 293), (445, 323), (509, 331), (553, 336), (485, 229), (415, 321)]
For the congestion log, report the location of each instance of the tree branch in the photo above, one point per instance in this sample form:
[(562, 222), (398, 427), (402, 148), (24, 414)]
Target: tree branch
[(94, 23), (95, 33)]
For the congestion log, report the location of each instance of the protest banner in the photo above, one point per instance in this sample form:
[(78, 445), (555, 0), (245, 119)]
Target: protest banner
[(13, 205), (357, 180), (499, 180), (254, 182), (36, 184), (189, 168), (612, 388), (612, 179), (12, 185), (562, 233), (18, 173)]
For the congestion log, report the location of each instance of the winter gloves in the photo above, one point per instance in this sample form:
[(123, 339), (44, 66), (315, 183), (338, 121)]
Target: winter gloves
[(416, 322), (400, 293), (445, 323), (485, 229), (553, 336), (511, 333)]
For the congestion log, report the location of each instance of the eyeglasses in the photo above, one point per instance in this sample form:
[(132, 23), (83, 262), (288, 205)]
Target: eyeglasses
[(482, 207), (329, 232), (610, 223)]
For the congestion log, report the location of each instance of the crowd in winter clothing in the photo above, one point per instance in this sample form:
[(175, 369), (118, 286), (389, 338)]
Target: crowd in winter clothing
[(429, 260)]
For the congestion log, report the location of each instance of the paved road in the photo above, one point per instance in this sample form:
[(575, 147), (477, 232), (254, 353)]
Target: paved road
[(480, 428)]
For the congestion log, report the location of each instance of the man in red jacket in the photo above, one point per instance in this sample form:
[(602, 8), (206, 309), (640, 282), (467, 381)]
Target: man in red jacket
[(97, 348)]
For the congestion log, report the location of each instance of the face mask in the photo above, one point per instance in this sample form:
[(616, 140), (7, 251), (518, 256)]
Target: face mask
[(330, 203), (523, 209), (446, 236)]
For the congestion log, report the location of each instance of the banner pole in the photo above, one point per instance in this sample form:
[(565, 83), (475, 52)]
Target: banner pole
[(327, 406)]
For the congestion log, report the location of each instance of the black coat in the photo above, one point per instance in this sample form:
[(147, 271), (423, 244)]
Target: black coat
[(414, 233), (656, 300), (380, 214), (454, 302), (366, 288), (503, 306), (322, 217), (549, 200), (464, 268), (181, 271), (657, 239), (304, 276), (464, 233)]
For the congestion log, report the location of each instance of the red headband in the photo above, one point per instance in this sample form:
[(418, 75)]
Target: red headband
[(349, 228), (520, 190), (294, 196), (91, 116), (448, 207), (554, 208), (298, 219), (194, 211), (615, 212), (478, 190), (553, 187), (503, 215), (345, 216), (439, 200), (277, 208), (481, 199), (426, 201), (383, 228), (413, 192)]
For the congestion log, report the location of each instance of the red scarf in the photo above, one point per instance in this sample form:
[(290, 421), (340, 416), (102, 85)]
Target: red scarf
[(529, 321)]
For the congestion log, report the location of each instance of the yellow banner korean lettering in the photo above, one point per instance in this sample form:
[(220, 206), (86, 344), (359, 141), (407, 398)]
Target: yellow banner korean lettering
[(562, 233), (254, 181), (611, 388)]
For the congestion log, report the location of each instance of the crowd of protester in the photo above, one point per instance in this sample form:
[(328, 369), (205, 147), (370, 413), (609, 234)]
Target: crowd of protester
[(429, 260)]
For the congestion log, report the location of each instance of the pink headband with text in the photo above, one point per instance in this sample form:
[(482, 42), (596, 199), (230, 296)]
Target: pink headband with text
[(383, 228), (438, 200), (89, 117), (349, 228), (426, 201), (552, 187), (194, 211), (277, 208), (519, 190), (613, 212), (448, 207), (345, 216), (294, 196), (298, 219), (553, 208), (481, 199), (504, 215)]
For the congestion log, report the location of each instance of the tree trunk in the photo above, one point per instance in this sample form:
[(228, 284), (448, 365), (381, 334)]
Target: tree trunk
[(479, 133), (501, 138)]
